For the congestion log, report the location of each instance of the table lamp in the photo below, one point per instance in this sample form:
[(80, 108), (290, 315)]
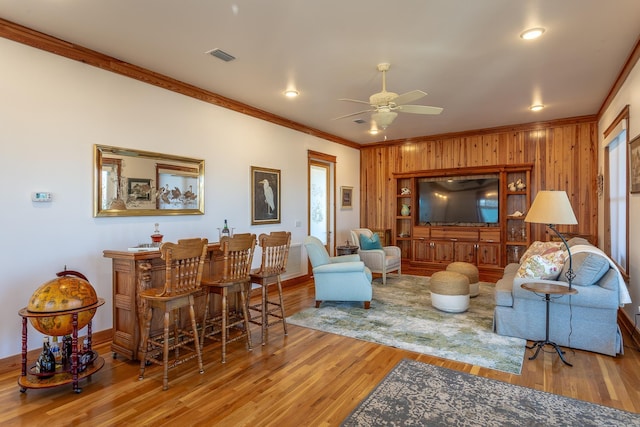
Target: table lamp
[(552, 208)]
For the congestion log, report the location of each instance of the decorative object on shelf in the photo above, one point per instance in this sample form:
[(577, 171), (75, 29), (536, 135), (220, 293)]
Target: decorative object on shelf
[(512, 186), (156, 237), (69, 291), (265, 196), (405, 210), (520, 185), (552, 208), (405, 191), (346, 195)]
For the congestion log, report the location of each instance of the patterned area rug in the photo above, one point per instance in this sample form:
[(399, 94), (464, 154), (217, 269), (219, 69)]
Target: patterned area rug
[(401, 316), (418, 394)]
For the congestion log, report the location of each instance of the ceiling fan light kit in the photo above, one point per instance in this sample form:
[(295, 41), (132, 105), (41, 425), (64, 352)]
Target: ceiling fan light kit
[(384, 118), (385, 105)]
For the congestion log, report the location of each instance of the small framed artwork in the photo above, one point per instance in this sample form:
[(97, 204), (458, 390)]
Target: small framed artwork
[(634, 165), (265, 196), (139, 189), (346, 195)]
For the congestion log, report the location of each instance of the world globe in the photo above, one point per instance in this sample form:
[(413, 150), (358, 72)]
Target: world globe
[(58, 296)]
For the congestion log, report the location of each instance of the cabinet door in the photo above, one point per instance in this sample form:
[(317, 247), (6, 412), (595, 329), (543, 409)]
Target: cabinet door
[(488, 254), (442, 251), (422, 250), (465, 252)]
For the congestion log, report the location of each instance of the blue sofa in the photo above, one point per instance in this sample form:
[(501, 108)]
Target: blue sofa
[(587, 320), (340, 278)]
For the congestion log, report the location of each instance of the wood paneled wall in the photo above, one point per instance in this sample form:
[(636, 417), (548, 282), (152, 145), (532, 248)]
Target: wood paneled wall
[(563, 152)]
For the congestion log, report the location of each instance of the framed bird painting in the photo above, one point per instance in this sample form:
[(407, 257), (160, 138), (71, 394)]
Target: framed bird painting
[(265, 196)]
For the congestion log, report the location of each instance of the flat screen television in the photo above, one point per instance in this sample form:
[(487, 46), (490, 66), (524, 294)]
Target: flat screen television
[(469, 200)]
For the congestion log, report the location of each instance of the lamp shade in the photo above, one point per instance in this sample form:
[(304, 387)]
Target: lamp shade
[(551, 207)]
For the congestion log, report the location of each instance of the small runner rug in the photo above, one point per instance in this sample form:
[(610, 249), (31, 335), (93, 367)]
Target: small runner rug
[(401, 316), (418, 394)]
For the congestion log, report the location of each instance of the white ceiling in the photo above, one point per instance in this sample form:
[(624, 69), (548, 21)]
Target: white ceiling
[(466, 54)]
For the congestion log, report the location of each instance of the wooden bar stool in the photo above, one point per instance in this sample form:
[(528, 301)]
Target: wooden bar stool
[(184, 265), (237, 257), (275, 250)]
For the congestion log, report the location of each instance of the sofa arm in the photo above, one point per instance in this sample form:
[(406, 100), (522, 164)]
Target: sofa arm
[(372, 257), (392, 251), (340, 267), (344, 258)]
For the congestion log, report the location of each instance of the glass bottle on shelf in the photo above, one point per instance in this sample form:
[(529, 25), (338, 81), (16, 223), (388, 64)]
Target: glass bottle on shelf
[(67, 350), (55, 350), (46, 363), (156, 237)]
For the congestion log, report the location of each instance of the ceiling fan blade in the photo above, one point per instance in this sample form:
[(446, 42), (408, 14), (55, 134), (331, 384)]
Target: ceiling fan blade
[(419, 109), (405, 98), (354, 100), (353, 114)]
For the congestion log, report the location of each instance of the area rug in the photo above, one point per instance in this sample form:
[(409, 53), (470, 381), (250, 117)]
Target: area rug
[(418, 394), (401, 316)]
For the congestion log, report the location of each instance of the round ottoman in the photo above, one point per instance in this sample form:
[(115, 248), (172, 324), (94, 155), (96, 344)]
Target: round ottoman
[(469, 270), (449, 291)]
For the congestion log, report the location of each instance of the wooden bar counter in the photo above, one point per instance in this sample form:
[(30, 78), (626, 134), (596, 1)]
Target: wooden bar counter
[(135, 271)]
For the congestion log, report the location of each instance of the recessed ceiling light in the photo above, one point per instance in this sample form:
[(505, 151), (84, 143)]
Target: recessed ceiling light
[(536, 107), (532, 33), (373, 131), (291, 93)]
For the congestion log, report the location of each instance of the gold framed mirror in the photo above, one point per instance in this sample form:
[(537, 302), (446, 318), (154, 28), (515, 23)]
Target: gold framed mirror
[(131, 182)]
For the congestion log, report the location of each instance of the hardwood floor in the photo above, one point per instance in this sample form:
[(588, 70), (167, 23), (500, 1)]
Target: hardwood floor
[(308, 378)]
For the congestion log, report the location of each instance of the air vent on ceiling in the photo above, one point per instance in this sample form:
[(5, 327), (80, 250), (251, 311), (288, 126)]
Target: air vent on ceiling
[(359, 121), (221, 54)]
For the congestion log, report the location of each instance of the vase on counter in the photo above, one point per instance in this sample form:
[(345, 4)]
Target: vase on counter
[(405, 210)]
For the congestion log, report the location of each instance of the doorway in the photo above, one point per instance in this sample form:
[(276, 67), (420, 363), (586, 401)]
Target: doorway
[(321, 209)]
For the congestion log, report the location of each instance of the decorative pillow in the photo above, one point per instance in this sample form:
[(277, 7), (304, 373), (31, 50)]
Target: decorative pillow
[(588, 268), (544, 266), (539, 248), (372, 242)]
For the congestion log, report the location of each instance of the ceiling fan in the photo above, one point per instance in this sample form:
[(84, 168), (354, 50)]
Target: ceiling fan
[(385, 106)]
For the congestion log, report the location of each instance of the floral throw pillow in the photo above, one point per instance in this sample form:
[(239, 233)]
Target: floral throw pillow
[(547, 265), (539, 248)]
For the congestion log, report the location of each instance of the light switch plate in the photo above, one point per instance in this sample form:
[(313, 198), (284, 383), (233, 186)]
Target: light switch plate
[(41, 196)]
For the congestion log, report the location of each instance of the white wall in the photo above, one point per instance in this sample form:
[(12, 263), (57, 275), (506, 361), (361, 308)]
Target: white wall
[(629, 94), (52, 112)]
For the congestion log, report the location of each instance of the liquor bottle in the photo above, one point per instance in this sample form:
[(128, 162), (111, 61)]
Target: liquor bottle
[(56, 351), (67, 350), (225, 229), (46, 363)]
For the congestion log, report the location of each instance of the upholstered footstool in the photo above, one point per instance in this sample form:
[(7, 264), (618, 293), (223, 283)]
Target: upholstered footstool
[(469, 270), (449, 291)]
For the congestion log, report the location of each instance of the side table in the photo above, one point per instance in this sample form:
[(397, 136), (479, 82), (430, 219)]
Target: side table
[(548, 289), (346, 250)]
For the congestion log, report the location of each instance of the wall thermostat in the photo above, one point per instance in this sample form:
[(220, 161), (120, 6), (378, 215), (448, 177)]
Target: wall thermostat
[(42, 196)]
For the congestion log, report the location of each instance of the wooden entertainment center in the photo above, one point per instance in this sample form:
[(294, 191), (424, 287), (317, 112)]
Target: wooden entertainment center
[(489, 246)]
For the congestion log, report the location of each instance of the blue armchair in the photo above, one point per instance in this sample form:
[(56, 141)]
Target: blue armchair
[(341, 278)]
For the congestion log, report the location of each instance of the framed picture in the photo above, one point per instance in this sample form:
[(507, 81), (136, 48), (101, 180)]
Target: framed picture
[(265, 196), (346, 196), (634, 165), (139, 189)]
